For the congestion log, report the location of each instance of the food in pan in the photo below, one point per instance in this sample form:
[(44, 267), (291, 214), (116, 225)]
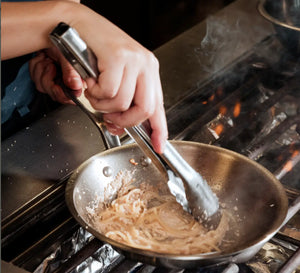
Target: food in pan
[(148, 217)]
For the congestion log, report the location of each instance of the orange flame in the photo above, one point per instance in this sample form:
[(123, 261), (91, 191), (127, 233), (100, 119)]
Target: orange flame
[(295, 153), (222, 110), (273, 109), (212, 97), (237, 109), (288, 166), (219, 129)]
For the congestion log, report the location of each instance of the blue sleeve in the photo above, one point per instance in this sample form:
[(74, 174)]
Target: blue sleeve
[(18, 94)]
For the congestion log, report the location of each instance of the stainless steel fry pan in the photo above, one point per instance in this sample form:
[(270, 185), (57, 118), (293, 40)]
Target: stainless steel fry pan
[(252, 193)]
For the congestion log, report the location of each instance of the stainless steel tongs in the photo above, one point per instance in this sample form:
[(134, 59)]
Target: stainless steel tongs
[(192, 191)]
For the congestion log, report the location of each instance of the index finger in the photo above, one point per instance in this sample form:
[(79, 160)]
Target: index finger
[(158, 122), (159, 128)]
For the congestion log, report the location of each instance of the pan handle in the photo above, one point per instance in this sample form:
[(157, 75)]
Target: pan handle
[(109, 140), (84, 61)]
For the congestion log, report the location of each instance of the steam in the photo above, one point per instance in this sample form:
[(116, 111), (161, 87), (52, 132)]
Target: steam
[(219, 42), (226, 37)]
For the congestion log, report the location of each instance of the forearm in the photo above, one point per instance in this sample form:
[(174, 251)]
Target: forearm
[(25, 26)]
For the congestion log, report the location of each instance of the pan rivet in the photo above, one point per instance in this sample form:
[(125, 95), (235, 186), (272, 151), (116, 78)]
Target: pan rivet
[(107, 171), (145, 161)]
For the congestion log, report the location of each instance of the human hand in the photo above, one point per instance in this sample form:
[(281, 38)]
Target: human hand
[(43, 71), (133, 97), (128, 90)]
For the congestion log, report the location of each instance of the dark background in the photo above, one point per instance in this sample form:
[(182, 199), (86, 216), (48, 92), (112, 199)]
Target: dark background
[(154, 22)]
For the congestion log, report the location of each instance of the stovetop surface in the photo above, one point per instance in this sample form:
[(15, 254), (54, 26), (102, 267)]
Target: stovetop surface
[(249, 105)]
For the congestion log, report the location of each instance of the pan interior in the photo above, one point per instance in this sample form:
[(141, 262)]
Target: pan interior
[(256, 200)]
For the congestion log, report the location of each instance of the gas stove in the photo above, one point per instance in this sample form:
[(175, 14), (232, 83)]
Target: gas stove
[(243, 95)]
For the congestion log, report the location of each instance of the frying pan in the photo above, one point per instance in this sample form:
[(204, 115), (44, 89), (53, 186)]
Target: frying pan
[(255, 197)]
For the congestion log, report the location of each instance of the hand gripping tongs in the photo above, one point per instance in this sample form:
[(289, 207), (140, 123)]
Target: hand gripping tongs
[(190, 189)]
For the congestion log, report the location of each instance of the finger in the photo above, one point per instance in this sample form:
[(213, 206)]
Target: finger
[(60, 96), (159, 128), (39, 57), (52, 89), (70, 76), (158, 121), (37, 72), (143, 105), (108, 84), (147, 94), (47, 79), (48, 85), (122, 101), (114, 130)]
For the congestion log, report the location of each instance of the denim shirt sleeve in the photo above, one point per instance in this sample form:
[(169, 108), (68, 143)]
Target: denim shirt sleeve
[(18, 94)]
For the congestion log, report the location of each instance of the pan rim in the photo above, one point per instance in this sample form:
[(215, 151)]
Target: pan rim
[(270, 18)]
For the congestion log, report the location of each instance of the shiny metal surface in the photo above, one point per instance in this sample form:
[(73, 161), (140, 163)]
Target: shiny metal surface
[(284, 13), (75, 51), (285, 17), (37, 158), (238, 182)]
